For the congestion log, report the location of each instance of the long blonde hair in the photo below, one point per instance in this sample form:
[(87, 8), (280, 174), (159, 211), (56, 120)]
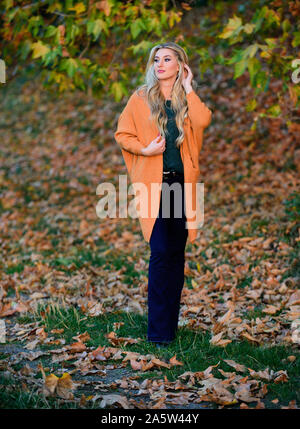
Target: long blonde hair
[(151, 90)]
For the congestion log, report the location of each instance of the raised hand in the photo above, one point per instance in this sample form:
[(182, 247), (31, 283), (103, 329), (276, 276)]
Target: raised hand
[(187, 78)]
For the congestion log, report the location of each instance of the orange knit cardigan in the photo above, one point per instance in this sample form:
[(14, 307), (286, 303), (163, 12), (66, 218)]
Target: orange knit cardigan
[(135, 130)]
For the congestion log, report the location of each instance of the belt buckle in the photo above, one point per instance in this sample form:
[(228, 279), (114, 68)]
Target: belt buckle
[(169, 173)]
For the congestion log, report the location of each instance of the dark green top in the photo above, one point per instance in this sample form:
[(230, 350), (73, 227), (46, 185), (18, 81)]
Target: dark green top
[(171, 155)]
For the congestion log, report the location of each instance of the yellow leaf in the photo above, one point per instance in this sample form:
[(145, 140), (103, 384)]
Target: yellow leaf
[(39, 49), (79, 8), (194, 284), (50, 384)]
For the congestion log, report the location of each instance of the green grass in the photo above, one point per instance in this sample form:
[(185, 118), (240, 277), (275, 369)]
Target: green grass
[(79, 257), (253, 314), (247, 281), (191, 347)]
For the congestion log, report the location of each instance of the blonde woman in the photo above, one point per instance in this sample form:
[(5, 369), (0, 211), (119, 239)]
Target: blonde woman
[(160, 132)]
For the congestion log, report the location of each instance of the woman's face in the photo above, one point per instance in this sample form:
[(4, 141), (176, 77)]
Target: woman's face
[(165, 60)]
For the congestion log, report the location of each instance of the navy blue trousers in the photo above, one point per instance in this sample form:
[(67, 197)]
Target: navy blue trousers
[(166, 265)]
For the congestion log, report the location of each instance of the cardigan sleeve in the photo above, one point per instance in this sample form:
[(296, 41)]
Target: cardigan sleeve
[(200, 115), (126, 134)]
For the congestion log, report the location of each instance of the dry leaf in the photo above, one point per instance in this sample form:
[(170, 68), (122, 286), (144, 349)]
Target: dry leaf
[(50, 384), (65, 386), (236, 366), (77, 347), (112, 399), (174, 361)]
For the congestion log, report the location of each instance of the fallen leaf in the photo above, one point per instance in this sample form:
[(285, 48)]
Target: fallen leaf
[(112, 399), (174, 361), (236, 366), (65, 386)]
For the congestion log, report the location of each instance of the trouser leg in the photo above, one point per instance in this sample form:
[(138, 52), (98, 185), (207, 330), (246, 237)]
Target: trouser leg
[(166, 274), (178, 238)]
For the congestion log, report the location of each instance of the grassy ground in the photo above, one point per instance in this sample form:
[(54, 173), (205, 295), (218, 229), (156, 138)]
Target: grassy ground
[(191, 348)]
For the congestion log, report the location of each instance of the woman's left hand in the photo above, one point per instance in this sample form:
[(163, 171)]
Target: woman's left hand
[(187, 79)]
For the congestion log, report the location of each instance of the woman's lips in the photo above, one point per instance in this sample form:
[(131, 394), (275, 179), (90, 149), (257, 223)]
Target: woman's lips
[(160, 71)]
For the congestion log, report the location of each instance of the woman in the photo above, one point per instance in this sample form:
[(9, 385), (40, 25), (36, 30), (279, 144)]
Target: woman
[(160, 133)]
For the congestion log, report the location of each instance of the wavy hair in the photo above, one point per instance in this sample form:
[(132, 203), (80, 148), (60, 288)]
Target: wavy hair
[(151, 90)]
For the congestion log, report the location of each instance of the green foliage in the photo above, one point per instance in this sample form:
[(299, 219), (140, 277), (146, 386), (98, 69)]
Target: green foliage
[(82, 44), (263, 47), (103, 46)]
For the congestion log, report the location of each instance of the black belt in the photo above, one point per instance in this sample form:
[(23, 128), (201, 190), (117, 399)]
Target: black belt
[(172, 173)]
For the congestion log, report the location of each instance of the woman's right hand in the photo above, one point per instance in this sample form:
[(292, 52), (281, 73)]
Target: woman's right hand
[(156, 147)]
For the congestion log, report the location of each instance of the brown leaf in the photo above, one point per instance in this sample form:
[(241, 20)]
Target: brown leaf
[(222, 321), (294, 299), (160, 404), (32, 345), (147, 365), (226, 374), (82, 337), (60, 386), (220, 395), (77, 347), (236, 366), (98, 354), (265, 375), (57, 331), (136, 365), (281, 376), (271, 309), (84, 228), (112, 338), (112, 399), (50, 384), (207, 373), (174, 361), (41, 333), (65, 386), (243, 393), (250, 338), (159, 363), (216, 340)]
